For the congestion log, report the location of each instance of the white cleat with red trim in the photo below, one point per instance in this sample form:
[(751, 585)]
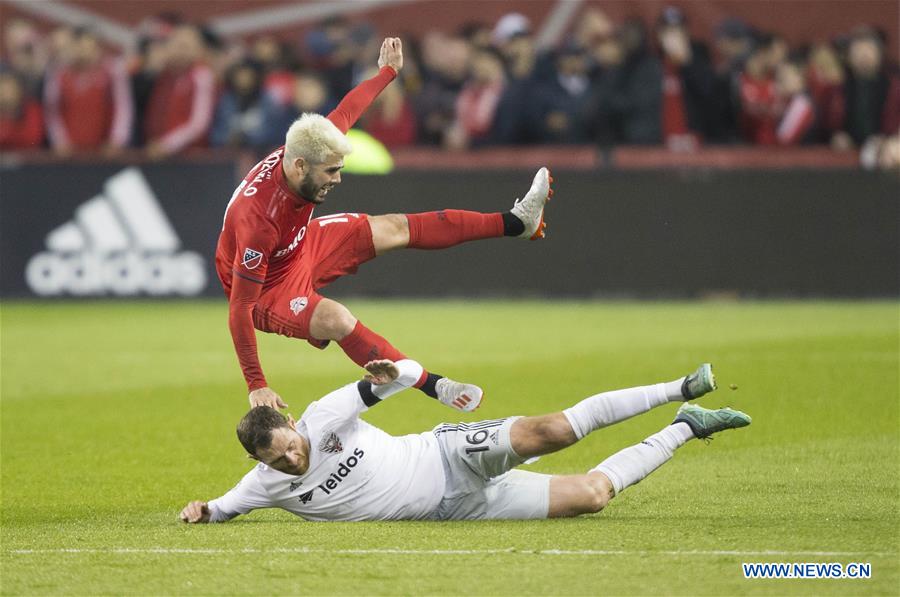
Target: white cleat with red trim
[(461, 396), (530, 208)]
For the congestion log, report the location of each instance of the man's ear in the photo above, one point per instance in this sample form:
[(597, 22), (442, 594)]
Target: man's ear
[(301, 165)]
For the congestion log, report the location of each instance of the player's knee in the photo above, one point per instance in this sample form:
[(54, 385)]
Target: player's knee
[(555, 431), (331, 321)]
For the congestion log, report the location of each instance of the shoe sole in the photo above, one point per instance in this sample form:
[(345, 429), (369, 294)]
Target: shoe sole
[(712, 379)]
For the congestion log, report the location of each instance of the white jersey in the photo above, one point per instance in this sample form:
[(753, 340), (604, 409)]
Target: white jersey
[(356, 471)]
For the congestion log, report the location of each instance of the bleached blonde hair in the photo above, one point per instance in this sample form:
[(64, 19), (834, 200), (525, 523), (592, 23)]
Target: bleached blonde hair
[(315, 139)]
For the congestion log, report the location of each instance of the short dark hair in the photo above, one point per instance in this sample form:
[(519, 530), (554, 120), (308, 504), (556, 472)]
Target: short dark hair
[(255, 430)]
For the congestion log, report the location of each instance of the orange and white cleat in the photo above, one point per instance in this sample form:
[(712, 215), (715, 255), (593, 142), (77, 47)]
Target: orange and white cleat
[(464, 397), (530, 209)]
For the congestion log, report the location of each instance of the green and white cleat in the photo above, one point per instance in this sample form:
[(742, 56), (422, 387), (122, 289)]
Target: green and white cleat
[(700, 382), (704, 422)]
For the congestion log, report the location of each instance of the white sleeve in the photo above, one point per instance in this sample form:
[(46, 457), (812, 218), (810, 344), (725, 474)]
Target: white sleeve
[(343, 404), (247, 495)]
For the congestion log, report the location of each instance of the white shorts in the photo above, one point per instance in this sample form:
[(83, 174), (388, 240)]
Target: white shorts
[(478, 461)]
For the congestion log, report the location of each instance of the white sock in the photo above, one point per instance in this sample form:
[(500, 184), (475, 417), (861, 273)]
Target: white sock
[(673, 390), (607, 408), (629, 466)]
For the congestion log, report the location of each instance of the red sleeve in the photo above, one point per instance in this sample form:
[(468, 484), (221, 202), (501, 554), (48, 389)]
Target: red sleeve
[(244, 294), (255, 242), (360, 97)]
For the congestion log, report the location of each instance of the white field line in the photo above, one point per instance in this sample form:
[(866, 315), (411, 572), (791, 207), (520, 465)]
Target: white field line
[(448, 552)]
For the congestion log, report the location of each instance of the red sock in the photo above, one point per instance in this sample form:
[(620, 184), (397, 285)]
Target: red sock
[(449, 227), (363, 345)]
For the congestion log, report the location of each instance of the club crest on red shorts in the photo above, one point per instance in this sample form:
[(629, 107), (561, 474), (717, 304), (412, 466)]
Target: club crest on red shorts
[(251, 259), (298, 304)]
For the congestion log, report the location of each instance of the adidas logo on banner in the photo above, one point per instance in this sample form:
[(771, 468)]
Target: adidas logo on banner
[(120, 242)]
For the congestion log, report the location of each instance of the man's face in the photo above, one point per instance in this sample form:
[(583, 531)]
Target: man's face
[(318, 179), (864, 57), (288, 452)]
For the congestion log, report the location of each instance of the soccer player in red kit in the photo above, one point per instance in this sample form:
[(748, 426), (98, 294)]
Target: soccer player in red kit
[(273, 257)]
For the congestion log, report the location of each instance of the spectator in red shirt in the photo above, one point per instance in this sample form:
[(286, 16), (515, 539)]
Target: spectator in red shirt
[(825, 78), (87, 101), (477, 103), (391, 119), (181, 105), (798, 113), (21, 122), (759, 106), (688, 83)]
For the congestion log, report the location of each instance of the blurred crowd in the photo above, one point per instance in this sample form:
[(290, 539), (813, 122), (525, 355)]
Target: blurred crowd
[(607, 83)]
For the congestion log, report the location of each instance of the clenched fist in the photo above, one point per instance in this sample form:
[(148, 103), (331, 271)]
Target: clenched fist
[(195, 512)]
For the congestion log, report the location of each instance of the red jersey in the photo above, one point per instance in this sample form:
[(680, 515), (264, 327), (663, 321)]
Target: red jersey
[(24, 130), (264, 230), (88, 108), (180, 108), (759, 110)]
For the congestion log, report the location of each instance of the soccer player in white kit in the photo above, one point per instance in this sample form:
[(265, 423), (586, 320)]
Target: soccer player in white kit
[(332, 465)]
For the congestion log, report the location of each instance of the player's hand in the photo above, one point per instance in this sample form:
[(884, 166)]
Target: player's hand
[(391, 54), (195, 512), (381, 372), (266, 397)]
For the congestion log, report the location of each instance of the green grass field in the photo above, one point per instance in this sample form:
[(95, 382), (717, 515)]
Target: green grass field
[(115, 415)]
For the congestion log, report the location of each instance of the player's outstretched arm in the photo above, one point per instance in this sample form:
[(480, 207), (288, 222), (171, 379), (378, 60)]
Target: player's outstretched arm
[(266, 397), (390, 61), (195, 512)]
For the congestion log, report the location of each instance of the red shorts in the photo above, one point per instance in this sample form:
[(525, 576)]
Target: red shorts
[(336, 246)]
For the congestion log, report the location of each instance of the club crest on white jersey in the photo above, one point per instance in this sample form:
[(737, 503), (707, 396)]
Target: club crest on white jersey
[(331, 444)]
